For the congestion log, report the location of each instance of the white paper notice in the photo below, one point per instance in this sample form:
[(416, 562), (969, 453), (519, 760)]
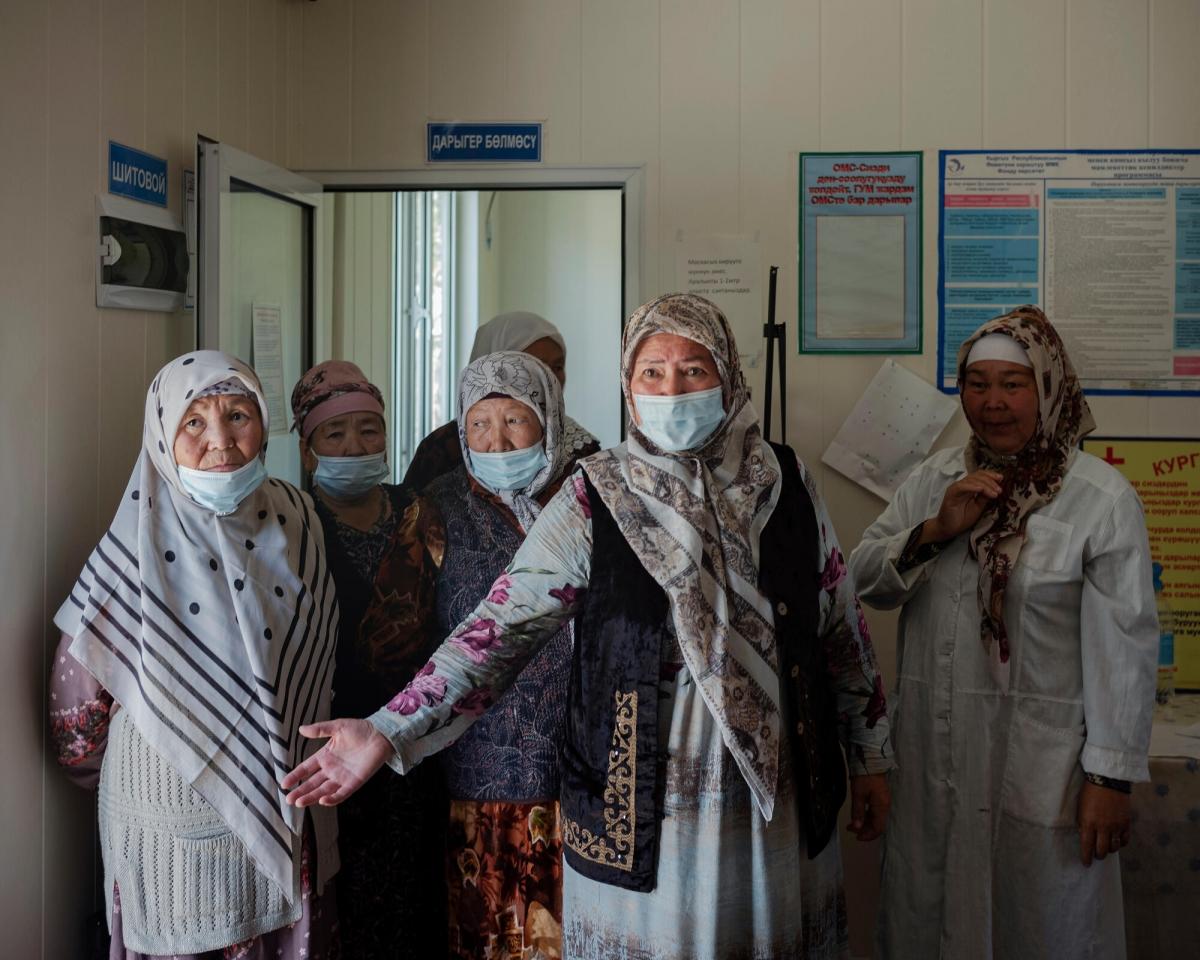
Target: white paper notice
[(268, 361), (727, 269), (890, 430), (860, 278)]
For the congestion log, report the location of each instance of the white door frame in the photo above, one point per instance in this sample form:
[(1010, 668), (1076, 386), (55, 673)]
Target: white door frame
[(628, 178)]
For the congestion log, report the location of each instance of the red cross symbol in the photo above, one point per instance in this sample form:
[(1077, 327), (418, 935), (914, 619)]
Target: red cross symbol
[(1109, 458)]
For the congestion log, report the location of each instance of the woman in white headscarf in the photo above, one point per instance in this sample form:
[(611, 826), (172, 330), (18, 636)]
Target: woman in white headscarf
[(524, 332), (720, 666), (197, 639), (1026, 668)]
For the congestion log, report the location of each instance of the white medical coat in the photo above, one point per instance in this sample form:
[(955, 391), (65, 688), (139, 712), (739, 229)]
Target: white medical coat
[(981, 855)]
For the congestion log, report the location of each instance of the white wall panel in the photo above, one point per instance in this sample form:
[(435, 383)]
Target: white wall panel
[(860, 74), (699, 122), (234, 79), (201, 55), (1107, 57), (543, 41), (388, 76), (468, 65), (1024, 52), (620, 103), (941, 66), (779, 104), (1174, 72), (324, 112), (261, 74), (23, 267)]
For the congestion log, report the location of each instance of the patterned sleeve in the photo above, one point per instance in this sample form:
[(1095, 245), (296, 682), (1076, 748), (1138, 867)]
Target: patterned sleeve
[(79, 713), (853, 670), (483, 656)]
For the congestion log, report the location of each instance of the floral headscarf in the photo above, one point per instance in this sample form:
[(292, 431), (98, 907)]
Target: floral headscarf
[(1033, 476), (694, 520), (528, 380), (332, 389)]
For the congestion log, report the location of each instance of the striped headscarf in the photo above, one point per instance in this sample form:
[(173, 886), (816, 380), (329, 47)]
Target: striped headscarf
[(1033, 476), (215, 633), (694, 520)]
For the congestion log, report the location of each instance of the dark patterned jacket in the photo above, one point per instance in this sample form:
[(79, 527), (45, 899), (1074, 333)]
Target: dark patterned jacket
[(613, 769)]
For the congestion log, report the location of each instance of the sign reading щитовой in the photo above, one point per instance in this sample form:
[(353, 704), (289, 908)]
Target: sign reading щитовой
[(138, 175), (483, 142)]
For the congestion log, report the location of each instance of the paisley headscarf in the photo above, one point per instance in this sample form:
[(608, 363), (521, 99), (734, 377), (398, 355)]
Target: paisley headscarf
[(215, 633), (527, 379), (1033, 476), (694, 520)]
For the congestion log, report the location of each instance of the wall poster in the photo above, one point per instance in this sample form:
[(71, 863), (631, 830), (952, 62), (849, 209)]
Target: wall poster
[(860, 253), (1166, 475), (1106, 242)]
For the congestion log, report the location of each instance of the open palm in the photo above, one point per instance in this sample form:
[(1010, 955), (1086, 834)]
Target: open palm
[(355, 751)]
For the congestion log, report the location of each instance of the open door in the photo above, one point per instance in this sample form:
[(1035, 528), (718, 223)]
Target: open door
[(257, 246)]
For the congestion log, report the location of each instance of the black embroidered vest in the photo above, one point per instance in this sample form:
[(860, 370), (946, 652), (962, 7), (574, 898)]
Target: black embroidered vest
[(612, 768)]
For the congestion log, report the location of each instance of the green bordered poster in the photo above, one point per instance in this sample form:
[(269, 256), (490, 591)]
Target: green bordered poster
[(1166, 475), (860, 253)]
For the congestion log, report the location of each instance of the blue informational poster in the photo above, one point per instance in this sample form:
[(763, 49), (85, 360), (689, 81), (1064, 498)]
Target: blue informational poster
[(138, 175), (860, 253), (1106, 242), (483, 142)]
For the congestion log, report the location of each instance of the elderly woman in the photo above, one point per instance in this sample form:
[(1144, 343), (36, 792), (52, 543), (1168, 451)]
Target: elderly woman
[(719, 653), (504, 861), (196, 640), (384, 546), (440, 452), (1027, 664)]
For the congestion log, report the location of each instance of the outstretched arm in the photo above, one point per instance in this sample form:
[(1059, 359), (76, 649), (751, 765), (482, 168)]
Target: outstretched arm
[(471, 669)]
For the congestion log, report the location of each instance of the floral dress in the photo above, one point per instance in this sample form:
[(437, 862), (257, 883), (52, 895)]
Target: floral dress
[(730, 884)]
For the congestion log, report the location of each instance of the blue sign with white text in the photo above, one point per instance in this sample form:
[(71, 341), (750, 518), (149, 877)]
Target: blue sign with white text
[(138, 175), (483, 142)]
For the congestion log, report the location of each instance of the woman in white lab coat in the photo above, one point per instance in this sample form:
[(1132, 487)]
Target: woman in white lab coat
[(1026, 669)]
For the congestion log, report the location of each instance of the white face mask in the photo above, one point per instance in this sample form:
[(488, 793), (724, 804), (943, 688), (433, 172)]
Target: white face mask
[(682, 422), (347, 478), (509, 470), (220, 491)]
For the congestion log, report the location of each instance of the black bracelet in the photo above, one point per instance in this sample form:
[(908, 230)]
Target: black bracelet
[(1121, 786)]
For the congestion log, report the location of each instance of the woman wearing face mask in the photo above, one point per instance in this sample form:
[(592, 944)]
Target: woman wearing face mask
[(441, 452), (1026, 668), (181, 678), (504, 856), (384, 547), (720, 665)]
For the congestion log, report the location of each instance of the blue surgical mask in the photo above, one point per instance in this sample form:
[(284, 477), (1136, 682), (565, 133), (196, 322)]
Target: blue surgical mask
[(510, 470), (348, 478), (681, 422), (222, 492)]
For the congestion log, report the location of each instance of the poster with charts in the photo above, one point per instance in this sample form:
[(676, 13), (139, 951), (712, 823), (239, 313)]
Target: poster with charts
[(1107, 243), (1166, 475), (890, 430)]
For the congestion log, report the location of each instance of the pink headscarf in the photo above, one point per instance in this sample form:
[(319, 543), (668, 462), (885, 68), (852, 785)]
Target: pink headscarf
[(329, 390)]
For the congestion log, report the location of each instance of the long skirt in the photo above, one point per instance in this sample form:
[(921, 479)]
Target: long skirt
[(730, 886), (504, 874)]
